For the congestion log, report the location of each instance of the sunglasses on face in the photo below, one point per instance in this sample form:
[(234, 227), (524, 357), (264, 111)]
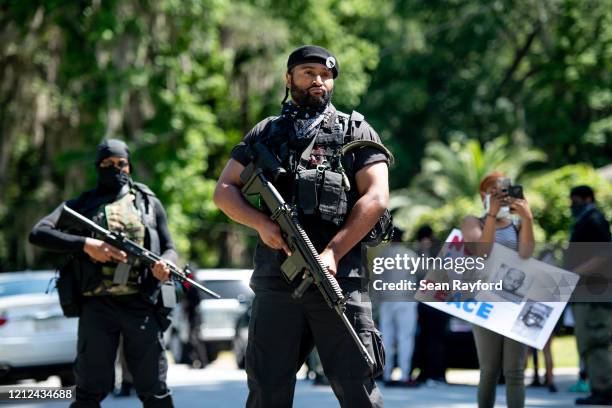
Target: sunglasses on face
[(120, 164)]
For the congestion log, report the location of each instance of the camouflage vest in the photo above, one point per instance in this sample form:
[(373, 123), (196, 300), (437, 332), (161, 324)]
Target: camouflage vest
[(123, 215)]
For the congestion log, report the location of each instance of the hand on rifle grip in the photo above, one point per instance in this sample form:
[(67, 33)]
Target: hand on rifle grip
[(102, 252)]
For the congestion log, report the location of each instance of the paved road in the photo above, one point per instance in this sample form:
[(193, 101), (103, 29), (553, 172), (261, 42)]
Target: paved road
[(222, 385)]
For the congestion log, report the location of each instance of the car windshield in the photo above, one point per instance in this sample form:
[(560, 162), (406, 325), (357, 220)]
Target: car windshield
[(229, 289), (24, 287)]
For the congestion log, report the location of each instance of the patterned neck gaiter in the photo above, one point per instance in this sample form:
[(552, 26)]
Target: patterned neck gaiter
[(305, 120)]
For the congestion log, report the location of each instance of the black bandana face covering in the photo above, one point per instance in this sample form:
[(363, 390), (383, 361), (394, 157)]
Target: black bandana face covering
[(111, 178), (305, 122)]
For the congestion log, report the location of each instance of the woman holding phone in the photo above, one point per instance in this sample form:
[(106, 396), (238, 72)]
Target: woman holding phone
[(496, 353)]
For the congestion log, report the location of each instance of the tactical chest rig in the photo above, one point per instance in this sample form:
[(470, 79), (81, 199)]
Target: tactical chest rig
[(320, 178), (80, 275)]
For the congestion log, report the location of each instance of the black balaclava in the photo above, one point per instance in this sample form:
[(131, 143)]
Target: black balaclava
[(111, 179)]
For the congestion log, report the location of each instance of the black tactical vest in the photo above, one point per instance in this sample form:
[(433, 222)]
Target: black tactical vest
[(320, 179)]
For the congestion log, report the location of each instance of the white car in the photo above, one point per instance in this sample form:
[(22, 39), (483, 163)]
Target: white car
[(213, 321), (36, 340)]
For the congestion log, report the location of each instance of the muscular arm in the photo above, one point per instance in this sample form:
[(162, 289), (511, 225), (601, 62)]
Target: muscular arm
[(230, 200), (373, 187)]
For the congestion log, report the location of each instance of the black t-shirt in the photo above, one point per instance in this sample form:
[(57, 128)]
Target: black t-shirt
[(590, 238), (591, 227), (267, 261)]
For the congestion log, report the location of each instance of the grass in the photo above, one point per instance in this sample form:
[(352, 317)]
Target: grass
[(564, 353)]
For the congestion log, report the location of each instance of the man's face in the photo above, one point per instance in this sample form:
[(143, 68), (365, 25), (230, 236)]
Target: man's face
[(426, 243), (311, 84), (579, 201), (120, 163), (535, 316), (513, 280)]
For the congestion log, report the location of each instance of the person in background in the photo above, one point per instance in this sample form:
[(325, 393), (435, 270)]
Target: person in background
[(398, 324), (116, 298), (497, 353), (582, 385), (593, 321), (430, 353)]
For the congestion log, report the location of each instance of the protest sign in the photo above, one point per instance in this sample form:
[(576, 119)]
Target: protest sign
[(519, 298)]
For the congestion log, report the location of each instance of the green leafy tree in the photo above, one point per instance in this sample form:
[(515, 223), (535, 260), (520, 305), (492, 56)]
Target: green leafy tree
[(180, 81), (451, 175), (455, 170), (548, 196), (533, 68)]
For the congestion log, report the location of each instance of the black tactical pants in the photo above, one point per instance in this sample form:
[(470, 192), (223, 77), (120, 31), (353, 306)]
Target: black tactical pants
[(102, 320), (593, 331), (282, 332)]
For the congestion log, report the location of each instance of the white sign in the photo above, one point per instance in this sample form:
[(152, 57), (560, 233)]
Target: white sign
[(527, 304)]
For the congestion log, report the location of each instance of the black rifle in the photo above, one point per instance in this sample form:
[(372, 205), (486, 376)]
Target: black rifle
[(304, 256), (132, 249)]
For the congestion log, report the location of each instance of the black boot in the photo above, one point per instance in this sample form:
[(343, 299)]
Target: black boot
[(536, 381), (594, 399), (124, 390), (158, 402)]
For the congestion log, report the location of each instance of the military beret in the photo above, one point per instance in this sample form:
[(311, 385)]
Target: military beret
[(313, 53)]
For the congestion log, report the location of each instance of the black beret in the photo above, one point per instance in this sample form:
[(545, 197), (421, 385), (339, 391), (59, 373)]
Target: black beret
[(313, 53), (112, 148)]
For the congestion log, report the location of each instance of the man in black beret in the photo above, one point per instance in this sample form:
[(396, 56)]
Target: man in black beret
[(114, 299), (340, 192)]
